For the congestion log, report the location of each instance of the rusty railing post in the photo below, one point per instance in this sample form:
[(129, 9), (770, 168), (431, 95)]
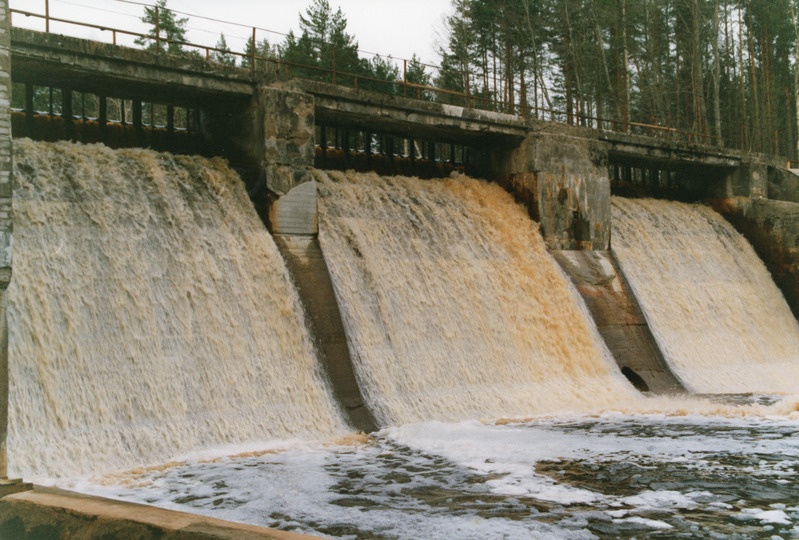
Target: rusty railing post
[(157, 30), (404, 77), (47, 16), (252, 52)]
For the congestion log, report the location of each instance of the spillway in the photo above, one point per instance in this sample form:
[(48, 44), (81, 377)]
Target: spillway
[(150, 314), (720, 321), (453, 308)]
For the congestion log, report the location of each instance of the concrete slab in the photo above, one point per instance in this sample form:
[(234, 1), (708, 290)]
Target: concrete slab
[(44, 512)]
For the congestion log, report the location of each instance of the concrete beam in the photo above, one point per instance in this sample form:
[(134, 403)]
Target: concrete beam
[(395, 115), (667, 150), (110, 70), (55, 513)]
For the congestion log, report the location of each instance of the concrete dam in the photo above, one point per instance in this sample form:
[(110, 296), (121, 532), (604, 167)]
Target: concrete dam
[(301, 280)]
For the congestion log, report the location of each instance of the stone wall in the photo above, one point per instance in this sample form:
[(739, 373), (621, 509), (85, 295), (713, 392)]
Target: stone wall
[(772, 227), (288, 137), (783, 185), (563, 180)]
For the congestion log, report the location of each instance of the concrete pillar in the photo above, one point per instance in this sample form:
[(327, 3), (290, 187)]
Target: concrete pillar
[(6, 224), (749, 181), (288, 137), (564, 181), (287, 120)]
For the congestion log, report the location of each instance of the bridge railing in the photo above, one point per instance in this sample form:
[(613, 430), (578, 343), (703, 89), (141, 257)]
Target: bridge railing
[(656, 127)]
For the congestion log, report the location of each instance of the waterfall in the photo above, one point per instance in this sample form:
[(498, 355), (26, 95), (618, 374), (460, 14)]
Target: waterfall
[(720, 321), (452, 305), (150, 314)]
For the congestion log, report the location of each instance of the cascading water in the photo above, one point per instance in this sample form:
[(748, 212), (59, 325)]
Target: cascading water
[(150, 314), (720, 321), (453, 307)]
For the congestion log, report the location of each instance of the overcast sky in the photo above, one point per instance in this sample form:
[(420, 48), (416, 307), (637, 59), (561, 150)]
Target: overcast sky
[(387, 27)]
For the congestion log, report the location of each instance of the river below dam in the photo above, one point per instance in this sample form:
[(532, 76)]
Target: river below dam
[(609, 476)]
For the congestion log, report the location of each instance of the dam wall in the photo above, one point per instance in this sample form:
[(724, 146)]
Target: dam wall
[(388, 244)]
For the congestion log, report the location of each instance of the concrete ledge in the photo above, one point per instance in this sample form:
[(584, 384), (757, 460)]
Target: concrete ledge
[(55, 513)]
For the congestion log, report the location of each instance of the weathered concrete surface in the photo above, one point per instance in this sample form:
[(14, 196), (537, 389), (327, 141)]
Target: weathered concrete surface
[(619, 319), (749, 180), (338, 105), (288, 137), (308, 268), (564, 182), (51, 513), (10, 486), (295, 212), (6, 219), (105, 69), (772, 227), (783, 185), (667, 149)]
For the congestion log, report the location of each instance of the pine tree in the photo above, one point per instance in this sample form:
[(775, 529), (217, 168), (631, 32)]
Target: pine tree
[(261, 52), (171, 30), (416, 73), (324, 49), (381, 75), (223, 55)]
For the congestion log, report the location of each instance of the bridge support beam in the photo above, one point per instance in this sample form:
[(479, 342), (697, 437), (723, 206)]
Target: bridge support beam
[(287, 120), (288, 137), (564, 182)]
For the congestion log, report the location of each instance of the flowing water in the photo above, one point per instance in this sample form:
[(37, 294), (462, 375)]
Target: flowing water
[(614, 476), (151, 319), (150, 314), (452, 305), (721, 323)]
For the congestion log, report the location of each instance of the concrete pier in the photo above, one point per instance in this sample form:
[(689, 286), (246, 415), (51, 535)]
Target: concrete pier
[(619, 319)]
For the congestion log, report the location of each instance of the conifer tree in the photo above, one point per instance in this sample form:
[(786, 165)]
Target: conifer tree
[(323, 44), (223, 54), (171, 29), (260, 52)]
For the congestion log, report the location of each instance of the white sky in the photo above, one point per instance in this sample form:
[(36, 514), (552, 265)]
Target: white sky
[(386, 27)]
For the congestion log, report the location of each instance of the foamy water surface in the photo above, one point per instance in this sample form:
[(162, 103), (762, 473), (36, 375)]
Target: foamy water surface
[(610, 476)]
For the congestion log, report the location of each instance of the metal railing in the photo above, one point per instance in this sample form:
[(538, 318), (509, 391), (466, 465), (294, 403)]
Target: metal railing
[(656, 127)]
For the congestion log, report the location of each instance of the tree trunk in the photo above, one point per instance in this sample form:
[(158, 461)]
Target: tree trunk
[(601, 45), (753, 81), (796, 74), (717, 75), (625, 70)]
